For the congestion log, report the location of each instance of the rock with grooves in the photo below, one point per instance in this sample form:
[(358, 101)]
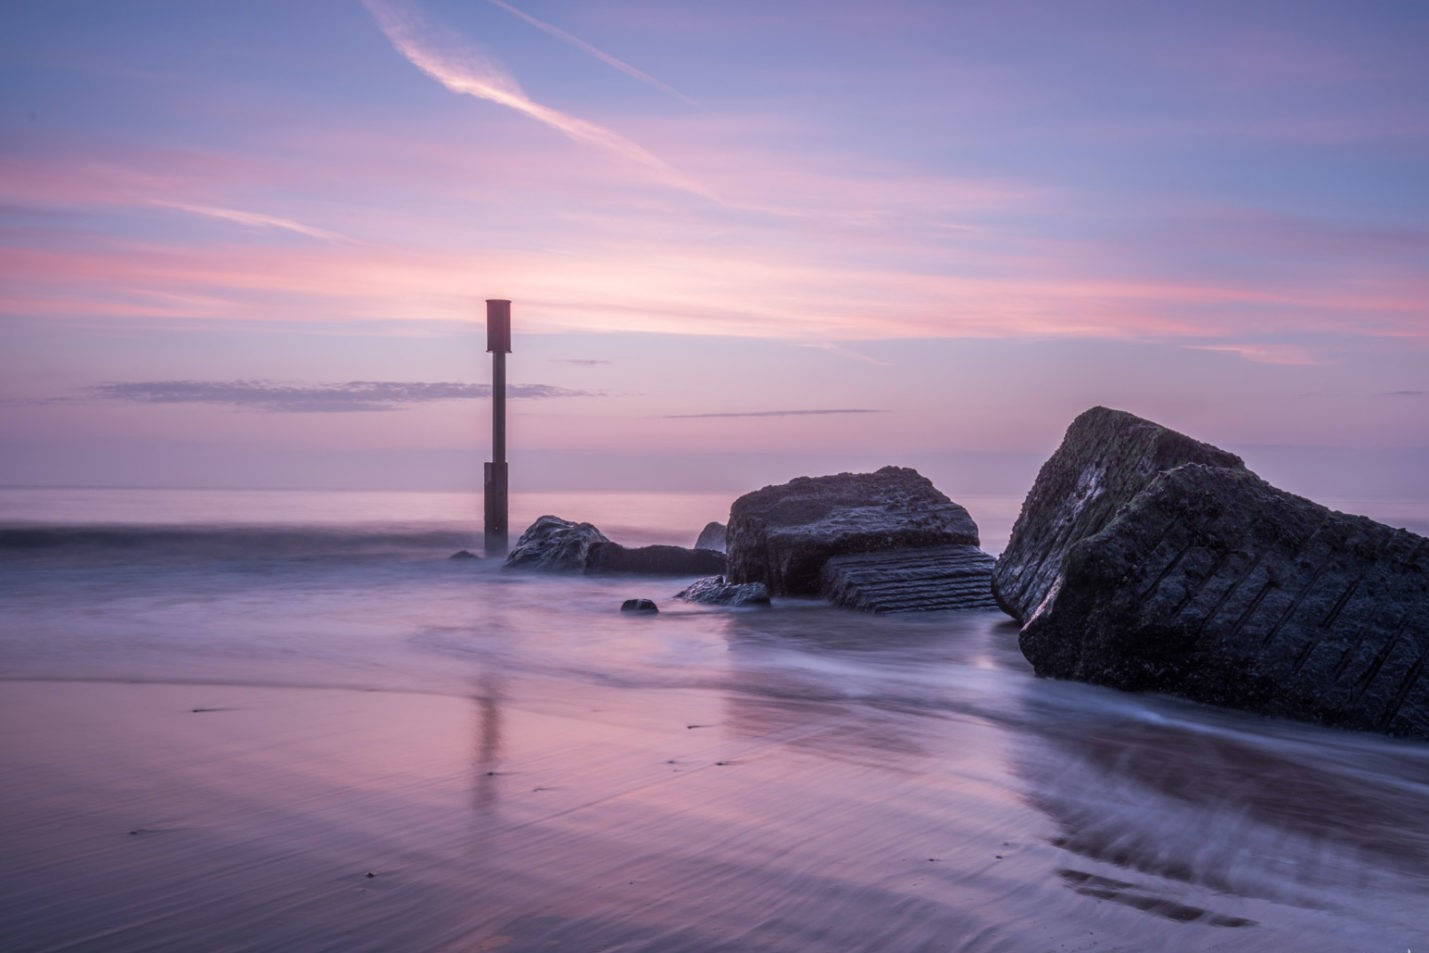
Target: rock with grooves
[(639, 605), (552, 544), (717, 591), (782, 535), (711, 537), (1106, 458), (911, 580), (1212, 584)]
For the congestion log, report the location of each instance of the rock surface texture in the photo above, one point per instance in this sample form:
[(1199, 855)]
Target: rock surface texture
[(1106, 458), (1211, 584), (901, 545), (717, 591), (552, 544), (911, 580), (711, 537)]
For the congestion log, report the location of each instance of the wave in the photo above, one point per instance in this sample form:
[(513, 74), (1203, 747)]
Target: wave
[(49, 544)]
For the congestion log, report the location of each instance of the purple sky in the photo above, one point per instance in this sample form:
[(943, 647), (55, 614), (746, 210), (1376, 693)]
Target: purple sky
[(247, 244)]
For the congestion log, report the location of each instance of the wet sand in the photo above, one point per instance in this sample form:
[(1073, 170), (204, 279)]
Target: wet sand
[(776, 811)]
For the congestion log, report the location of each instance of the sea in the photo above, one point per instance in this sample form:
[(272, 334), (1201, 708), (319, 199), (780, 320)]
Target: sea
[(287, 720)]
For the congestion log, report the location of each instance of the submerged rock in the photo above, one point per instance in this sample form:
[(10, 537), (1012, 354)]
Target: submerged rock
[(717, 591), (782, 535), (1209, 583), (463, 554), (639, 605), (1106, 458), (711, 537), (610, 557), (552, 544), (911, 580)]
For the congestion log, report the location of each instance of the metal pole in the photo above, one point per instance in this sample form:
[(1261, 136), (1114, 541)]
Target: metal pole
[(498, 342)]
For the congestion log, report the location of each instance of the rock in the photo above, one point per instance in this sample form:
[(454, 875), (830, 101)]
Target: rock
[(463, 554), (782, 535), (1106, 458), (552, 544), (911, 580), (717, 591), (639, 605), (1211, 584), (613, 558), (711, 537)]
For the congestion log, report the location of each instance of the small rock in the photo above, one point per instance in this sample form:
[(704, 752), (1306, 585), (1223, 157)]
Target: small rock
[(463, 554), (639, 605), (711, 537), (371, 874), (717, 591)]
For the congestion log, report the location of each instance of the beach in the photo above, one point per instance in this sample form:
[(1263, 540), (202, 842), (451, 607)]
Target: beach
[(319, 733)]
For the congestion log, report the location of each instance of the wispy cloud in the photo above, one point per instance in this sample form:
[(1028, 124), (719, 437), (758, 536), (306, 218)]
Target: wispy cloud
[(775, 413), (595, 51), (1263, 353), (320, 398), (1403, 393), (580, 361), (464, 69), (254, 219), (842, 351)]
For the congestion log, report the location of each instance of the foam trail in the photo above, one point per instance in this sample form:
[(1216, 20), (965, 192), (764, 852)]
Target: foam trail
[(595, 51), (462, 69)]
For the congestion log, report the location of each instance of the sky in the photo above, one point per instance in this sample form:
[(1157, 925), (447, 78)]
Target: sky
[(248, 244)]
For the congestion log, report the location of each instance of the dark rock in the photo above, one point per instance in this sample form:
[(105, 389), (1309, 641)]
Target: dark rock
[(711, 537), (463, 554), (1214, 585), (717, 591), (552, 544), (613, 558), (1106, 458), (638, 605), (911, 580), (782, 535)]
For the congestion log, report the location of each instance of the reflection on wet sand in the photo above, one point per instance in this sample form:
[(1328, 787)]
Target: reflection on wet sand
[(538, 772)]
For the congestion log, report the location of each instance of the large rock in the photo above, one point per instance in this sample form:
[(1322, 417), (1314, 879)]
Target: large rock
[(911, 580), (711, 537), (1106, 458), (717, 591), (1212, 584), (782, 535), (552, 544)]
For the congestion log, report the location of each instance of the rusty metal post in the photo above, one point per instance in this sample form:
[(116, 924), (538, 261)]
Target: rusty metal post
[(498, 342)]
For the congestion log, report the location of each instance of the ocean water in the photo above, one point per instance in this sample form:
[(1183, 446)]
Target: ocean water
[(222, 710)]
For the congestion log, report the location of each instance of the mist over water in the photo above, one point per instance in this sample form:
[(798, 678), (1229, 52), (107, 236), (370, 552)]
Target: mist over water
[(232, 704)]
